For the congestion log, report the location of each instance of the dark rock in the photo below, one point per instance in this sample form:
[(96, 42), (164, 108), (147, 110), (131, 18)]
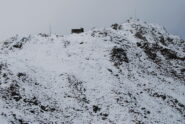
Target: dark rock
[(109, 70), (96, 108), (140, 36), (21, 75), (116, 26)]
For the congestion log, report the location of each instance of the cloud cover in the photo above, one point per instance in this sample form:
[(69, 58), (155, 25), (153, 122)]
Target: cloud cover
[(34, 16)]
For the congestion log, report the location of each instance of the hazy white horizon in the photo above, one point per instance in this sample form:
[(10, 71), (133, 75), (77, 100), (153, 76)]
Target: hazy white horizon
[(34, 16)]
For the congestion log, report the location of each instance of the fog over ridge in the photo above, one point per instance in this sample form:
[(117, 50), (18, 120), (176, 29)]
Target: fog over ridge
[(34, 16)]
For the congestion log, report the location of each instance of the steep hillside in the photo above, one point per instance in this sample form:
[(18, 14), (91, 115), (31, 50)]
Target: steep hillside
[(132, 73)]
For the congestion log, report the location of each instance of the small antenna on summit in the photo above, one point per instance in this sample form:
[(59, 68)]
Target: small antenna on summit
[(135, 14), (135, 11), (50, 29)]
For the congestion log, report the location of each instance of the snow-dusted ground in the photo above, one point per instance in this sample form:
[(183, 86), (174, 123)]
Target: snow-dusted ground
[(132, 74)]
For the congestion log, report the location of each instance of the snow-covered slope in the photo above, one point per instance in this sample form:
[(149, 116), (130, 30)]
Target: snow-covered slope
[(132, 73)]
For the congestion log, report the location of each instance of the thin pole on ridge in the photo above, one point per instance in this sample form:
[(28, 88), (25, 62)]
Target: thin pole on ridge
[(50, 29), (135, 10)]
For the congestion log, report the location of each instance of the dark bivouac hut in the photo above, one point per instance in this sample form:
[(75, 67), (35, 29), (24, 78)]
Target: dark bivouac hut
[(77, 31)]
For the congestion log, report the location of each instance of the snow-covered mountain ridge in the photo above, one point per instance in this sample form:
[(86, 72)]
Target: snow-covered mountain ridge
[(133, 73)]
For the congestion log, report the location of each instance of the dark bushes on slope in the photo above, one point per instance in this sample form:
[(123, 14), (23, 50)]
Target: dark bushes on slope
[(169, 54), (165, 41), (169, 100), (152, 49), (118, 56), (162, 40), (13, 92), (149, 49), (43, 35), (21, 43), (15, 43)]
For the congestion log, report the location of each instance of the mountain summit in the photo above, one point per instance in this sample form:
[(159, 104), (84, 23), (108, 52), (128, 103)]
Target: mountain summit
[(130, 73)]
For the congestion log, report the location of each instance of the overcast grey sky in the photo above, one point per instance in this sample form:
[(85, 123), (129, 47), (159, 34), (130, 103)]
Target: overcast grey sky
[(34, 16)]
